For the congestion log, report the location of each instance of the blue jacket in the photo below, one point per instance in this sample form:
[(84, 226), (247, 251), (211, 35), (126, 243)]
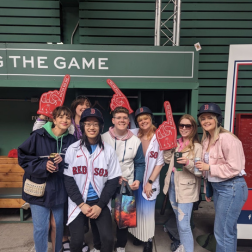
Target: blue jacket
[(41, 143)]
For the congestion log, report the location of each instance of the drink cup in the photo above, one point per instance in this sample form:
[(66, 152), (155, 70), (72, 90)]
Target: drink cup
[(196, 170), (52, 156)]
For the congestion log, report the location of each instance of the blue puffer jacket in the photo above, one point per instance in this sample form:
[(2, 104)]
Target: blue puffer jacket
[(31, 158)]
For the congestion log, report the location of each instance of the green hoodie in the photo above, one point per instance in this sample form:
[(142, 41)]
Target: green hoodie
[(48, 128)]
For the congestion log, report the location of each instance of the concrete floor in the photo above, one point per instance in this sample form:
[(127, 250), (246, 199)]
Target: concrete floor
[(18, 237)]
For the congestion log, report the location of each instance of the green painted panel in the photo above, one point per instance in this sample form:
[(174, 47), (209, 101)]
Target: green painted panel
[(117, 32), (118, 14), (211, 98), (29, 30), (117, 6), (117, 23), (217, 32), (30, 21), (211, 74), (213, 82), (30, 38), (217, 91), (215, 41), (213, 58), (216, 24), (29, 4), (29, 13), (213, 66)]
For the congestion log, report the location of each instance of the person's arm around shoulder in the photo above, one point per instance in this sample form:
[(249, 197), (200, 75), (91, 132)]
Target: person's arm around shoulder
[(40, 122), (139, 166)]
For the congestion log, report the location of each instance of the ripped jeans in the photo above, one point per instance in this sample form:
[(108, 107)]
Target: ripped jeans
[(183, 213)]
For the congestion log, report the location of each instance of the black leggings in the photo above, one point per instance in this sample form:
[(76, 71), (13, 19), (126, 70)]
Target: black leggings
[(101, 229)]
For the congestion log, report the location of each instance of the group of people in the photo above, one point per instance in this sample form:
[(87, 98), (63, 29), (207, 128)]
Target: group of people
[(89, 167)]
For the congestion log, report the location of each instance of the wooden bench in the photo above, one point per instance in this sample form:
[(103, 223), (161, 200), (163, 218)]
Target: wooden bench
[(11, 181)]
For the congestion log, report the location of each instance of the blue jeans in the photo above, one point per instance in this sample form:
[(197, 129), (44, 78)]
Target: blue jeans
[(229, 197), (183, 213), (40, 219)]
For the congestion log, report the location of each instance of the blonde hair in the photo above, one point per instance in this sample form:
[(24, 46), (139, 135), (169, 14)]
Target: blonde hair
[(193, 136), (152, 130), (218, 130)]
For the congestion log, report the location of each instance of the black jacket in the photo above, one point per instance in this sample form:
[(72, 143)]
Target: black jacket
[(30, 153)]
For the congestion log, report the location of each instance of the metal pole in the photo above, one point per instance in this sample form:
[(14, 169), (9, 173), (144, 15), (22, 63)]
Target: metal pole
[(158, 22), (174, 23), (178, 22)]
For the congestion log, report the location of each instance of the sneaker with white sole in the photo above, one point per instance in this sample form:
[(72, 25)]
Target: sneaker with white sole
[(94, 250), (180, 249), (25, 206), (85, 248), (120, 249)]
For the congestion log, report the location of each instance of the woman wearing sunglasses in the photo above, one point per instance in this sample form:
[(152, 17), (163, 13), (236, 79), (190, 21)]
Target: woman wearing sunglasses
[(224, 165), (183, 185)]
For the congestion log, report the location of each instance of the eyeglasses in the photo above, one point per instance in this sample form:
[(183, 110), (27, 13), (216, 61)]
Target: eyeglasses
[(187, 126), (122, 118), (88, 125)]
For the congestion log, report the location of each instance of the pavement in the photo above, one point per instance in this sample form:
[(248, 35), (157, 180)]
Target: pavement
[(18, 237)]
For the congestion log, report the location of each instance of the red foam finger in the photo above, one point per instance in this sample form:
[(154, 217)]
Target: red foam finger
[(64, 86), (118, 99), (167, 132), (114, 87)]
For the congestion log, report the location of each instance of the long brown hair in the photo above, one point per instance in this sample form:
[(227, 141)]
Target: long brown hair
[(152, 129), (193, 137), (80, 100)]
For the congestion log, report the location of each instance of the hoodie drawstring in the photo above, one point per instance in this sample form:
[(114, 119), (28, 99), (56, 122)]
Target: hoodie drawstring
[(59, 149), (124, 149)]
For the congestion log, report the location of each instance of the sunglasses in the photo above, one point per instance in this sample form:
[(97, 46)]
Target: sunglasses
[(187, 126)]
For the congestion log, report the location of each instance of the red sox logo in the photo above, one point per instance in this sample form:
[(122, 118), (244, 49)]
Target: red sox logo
[(92, 111), (153, 154), (141, 110), (206, 107)]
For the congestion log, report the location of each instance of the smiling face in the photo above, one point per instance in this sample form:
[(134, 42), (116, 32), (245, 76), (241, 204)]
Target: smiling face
[(185, 128), (208, 122), (62, 122), (121, 122), (81, 107), (144, 121), (91, 128)]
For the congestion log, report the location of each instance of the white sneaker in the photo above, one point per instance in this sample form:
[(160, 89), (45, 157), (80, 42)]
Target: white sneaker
[(94, 250), (120, 249), (180, 249), (25, 206), (85, 247)]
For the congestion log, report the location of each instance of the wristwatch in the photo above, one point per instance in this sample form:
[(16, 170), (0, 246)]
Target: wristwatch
[(150, 181)]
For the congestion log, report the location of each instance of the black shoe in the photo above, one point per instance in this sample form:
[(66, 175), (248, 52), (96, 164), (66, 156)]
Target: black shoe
[(147, 247), (137, 242)]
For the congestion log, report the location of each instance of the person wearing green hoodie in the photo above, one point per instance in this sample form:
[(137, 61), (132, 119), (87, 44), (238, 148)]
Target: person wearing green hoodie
[(33, 157)]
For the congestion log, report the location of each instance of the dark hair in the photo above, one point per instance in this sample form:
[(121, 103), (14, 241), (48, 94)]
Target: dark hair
[(84, 140), (58, 111), (80, 100), (120, 110)]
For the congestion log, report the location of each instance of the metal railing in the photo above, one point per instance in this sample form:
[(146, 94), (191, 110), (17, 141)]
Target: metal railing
[(172, 35)]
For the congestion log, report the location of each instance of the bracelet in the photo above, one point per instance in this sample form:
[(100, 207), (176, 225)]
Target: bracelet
[(82, 205)]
